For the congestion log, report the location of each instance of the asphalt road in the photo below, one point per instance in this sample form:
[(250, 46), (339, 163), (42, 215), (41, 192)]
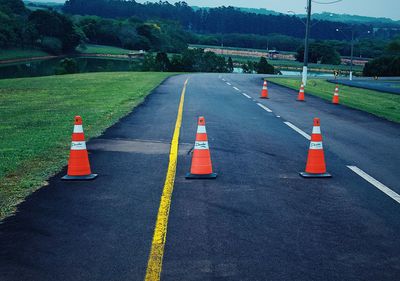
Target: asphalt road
[(259, 220)]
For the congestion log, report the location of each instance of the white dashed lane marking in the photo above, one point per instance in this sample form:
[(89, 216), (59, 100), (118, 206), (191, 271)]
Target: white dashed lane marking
[(247, 96), (307, 136), (376, 183), (264, 107), (236, 89)]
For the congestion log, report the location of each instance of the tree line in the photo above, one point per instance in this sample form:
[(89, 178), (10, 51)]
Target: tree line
[(58, 33), (387, 64), (215, 20), (197, 60), (19, 27)]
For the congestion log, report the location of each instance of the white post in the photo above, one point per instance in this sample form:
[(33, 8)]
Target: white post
[(351, 75), (305, 75)]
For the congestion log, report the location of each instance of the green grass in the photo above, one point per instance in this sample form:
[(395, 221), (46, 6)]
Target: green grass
[(9, 54), (37, 119), (102, 49), (380, 104)]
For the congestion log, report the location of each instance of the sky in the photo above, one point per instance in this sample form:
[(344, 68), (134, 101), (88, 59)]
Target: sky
[(374, 8)]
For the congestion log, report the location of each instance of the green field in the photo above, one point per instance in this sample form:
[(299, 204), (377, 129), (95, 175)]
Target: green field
[(380, 104), (21, 53), (37, 119), (102, 49), (88, 49)]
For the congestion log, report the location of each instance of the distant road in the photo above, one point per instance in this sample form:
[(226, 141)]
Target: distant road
[(259, 220)]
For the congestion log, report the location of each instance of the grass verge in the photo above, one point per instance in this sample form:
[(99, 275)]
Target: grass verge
[(380, 104), (37, 118), (103, 49), (21, 53)]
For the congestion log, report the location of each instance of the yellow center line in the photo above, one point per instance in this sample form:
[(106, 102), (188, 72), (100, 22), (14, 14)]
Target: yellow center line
[(154, 264)]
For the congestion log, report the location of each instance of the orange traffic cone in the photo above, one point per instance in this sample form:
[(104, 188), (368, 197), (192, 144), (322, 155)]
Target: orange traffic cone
[(201, 161), (264, 92), (315, 167), (301, 93), (335, 99), (78, 164)]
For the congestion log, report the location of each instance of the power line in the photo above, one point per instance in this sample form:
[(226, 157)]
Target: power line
[(332, 2)]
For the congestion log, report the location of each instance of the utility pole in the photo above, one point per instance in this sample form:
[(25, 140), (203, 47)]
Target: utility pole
[(352, 49), (308, 24), (352, 53)]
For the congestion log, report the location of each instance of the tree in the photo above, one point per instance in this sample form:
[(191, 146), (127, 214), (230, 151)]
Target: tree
[(263, 67), (176, 64), (249, 67), (13, 6), (225, 20), (387, 64), (320, 52), (149, 62), (62, 28), (162, 62), (230, 65), (195, 60), (394, 46), (383, 66)]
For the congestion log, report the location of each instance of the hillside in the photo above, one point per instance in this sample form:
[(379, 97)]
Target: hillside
[(209, 20), (354, 19)]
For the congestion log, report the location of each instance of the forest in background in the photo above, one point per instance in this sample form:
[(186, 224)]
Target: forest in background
[(162, 27)]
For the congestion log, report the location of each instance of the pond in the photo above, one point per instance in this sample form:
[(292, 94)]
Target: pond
[(52, 66), (310, 73), (295, 73)]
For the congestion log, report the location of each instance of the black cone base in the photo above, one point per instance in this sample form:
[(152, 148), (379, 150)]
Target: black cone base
[(79, 178), (190, 176), (308, 175)]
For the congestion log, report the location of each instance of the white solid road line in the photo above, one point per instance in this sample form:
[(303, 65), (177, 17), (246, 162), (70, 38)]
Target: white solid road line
[(307, 136), (247, 96), (236, 89), (264, 107), (376, 183), (229, 83)]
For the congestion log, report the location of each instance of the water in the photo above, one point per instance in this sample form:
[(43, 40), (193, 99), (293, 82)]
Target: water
[(294, 73), (52, 66), (310, 73)]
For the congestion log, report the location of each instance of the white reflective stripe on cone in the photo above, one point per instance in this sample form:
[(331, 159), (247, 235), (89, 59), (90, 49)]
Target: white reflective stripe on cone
[(78, 129), (316, 145), (201, 129), (201, 145), (78, 145), (316, 130)]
